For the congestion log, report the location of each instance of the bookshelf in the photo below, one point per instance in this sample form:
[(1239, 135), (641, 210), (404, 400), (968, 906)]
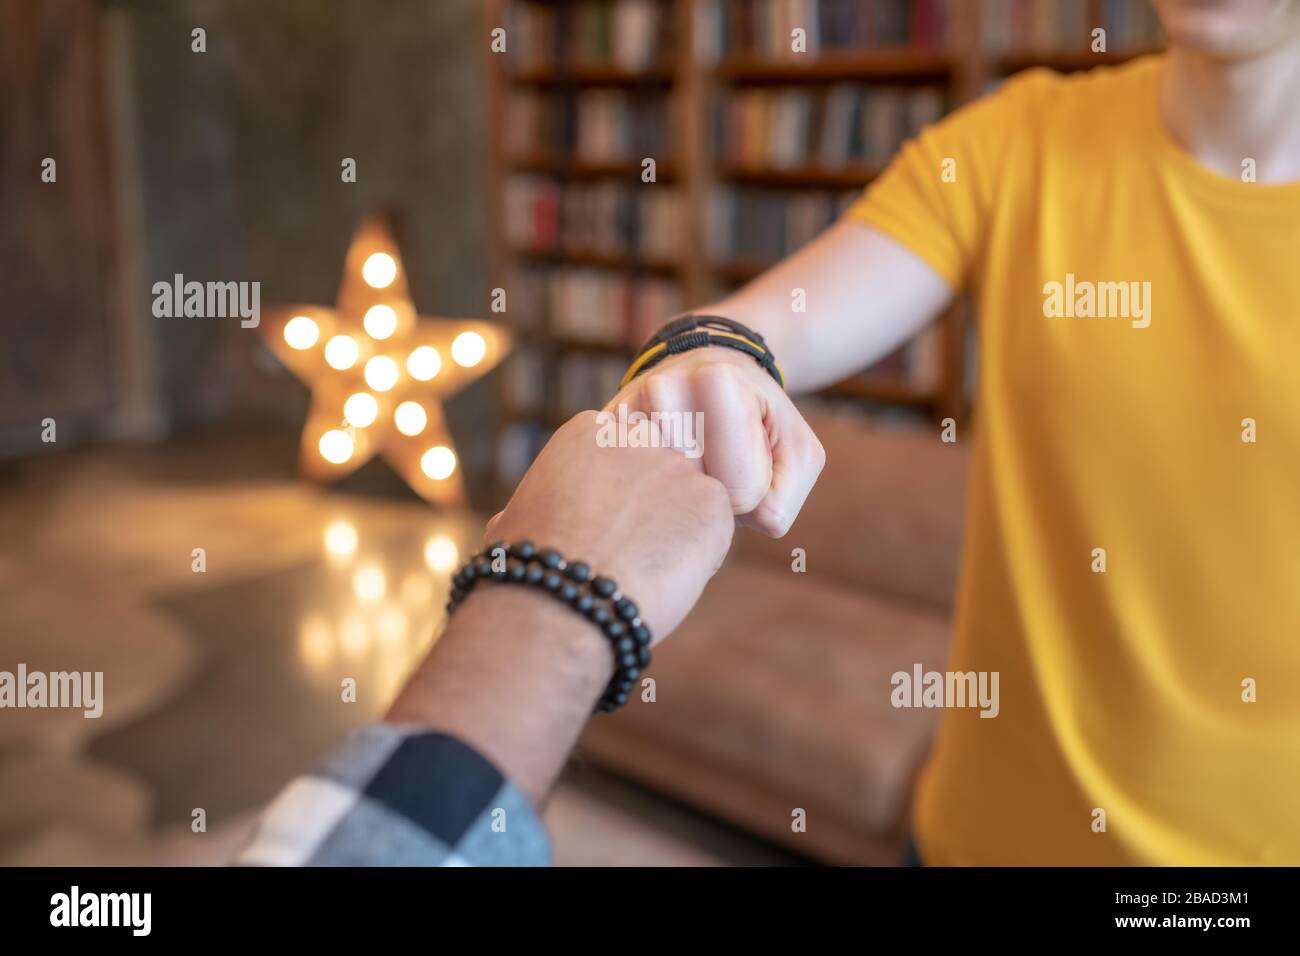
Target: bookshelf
[(756, 148)]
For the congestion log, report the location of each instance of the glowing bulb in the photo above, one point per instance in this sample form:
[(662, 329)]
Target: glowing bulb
[(336, 446), (380, 321), (354, 635), (391, 624), (468, 349), (301, 332), (410, 418), (381, 373), (379, 270), (341, 539), (438, 462), (441, 553), (315, 642), (424, 363), (360, 409), (341, 352), (417, 589), (369, 583)]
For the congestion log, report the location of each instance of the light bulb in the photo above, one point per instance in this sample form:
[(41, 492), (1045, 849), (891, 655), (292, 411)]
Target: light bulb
[(424, 363), (381, 373), (315, 642), (441, 553), (468, 349), (380, 321), (379, 270), (369, 583), (360, 409), (301, 332), (417, 588), (336, 446), (341, 539), (438, 462), (354, 635), (391, 624), (410, 418), (341, 352)]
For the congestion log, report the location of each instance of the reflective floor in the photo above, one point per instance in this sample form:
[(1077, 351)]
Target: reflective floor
[(227, 603)]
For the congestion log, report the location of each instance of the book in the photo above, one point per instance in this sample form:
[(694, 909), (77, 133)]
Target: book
[(603, 217), (765, 28), (831, 127), (628, 35)]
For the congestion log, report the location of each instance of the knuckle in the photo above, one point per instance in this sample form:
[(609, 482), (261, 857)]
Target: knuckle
[(713, 374), (745, 498), (816, 453), (714, 500), (771, 520), (584, 421), (655, 390)]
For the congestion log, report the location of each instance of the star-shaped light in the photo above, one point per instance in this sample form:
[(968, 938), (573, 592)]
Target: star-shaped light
[(378, 371)]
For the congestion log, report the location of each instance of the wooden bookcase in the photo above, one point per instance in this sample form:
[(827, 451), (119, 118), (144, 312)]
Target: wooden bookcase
[(965, 66)]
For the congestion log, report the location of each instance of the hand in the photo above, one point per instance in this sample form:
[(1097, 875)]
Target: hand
[(647, 517), (755, 442)]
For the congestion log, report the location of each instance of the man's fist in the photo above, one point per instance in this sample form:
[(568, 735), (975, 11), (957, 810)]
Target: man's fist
[(754, 440), (648, 517)]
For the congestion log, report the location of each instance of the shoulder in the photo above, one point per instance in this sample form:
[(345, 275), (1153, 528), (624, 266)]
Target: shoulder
[(1102, 94)]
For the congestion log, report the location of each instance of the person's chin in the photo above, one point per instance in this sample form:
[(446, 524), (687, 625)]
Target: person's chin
[(1225, 30)]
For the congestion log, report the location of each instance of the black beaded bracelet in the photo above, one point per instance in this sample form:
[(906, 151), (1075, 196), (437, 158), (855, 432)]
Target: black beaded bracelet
[(595, 597)]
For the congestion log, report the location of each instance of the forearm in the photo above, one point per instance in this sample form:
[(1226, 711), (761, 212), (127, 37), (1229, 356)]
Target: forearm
[(838, 305), (515, 675)]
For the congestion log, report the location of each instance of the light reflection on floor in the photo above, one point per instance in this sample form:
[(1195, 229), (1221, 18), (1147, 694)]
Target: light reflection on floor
[(382, 611), (221, 686)]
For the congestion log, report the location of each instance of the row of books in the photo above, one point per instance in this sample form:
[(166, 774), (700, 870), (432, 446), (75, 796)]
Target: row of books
[(764, 225), (593, 125), (766, 28), (517, 445), (582, 380), (825, 126), (625, 34), (602, 217), (577, 382), (1050, 25), (597, 306), (918, 363), (523, 376), (610, 308)]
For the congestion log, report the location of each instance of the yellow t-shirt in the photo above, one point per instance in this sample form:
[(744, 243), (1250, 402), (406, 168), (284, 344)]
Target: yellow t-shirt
[(1151, 429)]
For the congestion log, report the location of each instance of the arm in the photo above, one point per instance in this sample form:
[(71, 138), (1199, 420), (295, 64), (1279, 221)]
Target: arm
[(865, 295), (515, 676), (488, 719), (869, 283)]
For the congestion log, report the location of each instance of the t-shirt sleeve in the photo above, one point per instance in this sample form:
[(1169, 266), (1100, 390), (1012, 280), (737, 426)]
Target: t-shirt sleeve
[(937, 195)]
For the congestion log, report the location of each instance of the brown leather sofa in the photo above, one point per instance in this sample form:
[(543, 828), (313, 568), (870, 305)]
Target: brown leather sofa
[(774, 696)]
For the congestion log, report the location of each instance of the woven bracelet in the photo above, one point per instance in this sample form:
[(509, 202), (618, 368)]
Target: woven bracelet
[(697, 331)]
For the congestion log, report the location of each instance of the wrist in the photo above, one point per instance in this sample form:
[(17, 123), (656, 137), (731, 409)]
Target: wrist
[(534, 622), (503, 637), (696, 331)]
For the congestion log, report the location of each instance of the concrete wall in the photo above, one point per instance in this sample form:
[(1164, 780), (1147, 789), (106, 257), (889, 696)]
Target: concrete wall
[(239, 150)]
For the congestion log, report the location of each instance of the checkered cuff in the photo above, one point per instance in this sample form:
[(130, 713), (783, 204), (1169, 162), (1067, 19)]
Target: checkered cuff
[(396, 796)]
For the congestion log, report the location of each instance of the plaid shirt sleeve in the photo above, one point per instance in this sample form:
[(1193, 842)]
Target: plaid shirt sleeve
[(395, 796)]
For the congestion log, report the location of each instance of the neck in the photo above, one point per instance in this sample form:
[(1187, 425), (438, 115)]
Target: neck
[(1224, 112)]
